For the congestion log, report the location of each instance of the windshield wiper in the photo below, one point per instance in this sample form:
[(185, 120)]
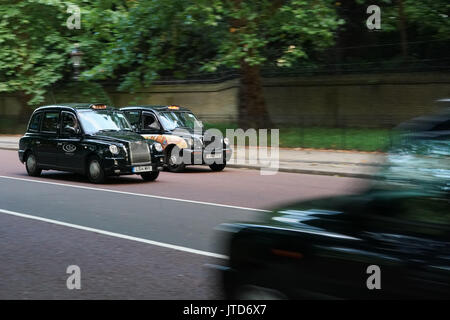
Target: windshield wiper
[(108, 130)]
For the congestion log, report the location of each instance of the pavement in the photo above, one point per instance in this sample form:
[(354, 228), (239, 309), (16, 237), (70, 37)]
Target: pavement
[(298, 160), (133, 239)]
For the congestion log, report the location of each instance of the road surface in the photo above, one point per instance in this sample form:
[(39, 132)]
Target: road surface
[(132, 239)]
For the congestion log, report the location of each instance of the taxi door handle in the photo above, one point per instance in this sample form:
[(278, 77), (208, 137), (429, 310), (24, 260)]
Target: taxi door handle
[(59, 143), (38, 142)]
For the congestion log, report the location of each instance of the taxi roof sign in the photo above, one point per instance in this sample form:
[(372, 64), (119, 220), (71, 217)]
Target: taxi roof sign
[(173, 107), (98, 106)]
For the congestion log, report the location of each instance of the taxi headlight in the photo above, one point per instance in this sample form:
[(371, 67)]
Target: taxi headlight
[(226, 140), (114, 149), (158, 147)]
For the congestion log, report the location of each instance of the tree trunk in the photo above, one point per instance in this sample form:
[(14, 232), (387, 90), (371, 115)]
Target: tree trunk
[(252, 107)]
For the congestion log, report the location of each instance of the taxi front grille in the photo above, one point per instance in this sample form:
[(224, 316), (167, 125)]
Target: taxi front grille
[(139, 152), (216, 146)]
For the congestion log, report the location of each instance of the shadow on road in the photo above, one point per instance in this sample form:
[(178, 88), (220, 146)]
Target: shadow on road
[(195, 169)]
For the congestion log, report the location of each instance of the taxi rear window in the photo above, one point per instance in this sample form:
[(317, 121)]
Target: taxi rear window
[(50, 122), (35, 122)]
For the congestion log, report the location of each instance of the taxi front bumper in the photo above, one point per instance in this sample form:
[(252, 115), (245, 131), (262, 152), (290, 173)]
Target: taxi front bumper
[(21, 155), (201, 157), (120, 166)]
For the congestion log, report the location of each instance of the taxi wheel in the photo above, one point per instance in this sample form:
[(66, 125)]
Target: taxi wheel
[(31, 165), (150, 176), (95, 172), (173, 160), (217, 166)]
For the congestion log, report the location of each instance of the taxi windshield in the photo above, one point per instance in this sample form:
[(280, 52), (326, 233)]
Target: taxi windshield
[(104, 120), (180, 119)]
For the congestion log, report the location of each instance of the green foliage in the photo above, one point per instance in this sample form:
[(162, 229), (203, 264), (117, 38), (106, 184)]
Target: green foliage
[(137, 42), (265, 32), (425, 17), (157, 38), (33, 45), (429, 16), (150, 40)]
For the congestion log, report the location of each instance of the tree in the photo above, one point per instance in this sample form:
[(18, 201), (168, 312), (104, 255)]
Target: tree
[(35, 43), (426, 19), (152, 39), (257, 33), (207, 35), (33, 47)]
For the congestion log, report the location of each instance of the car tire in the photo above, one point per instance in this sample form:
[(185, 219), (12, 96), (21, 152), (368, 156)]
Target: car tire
[(31, 165), (95, 172), (150, 176), (217, 167), (172, 160)]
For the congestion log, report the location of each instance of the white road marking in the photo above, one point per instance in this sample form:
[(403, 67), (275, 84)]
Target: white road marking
[(117, 235), (136, 194)]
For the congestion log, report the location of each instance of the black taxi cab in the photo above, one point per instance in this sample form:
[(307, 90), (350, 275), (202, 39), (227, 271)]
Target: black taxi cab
[(182, 136), (91, 139)]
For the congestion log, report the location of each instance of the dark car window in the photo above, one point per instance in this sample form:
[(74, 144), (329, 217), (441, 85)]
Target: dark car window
[(411, 214), (133, 117), (50, 122), (68, 119), (176, 119), (35, 122), (425, 210), (149, 122), (103, 120), (444, 126)]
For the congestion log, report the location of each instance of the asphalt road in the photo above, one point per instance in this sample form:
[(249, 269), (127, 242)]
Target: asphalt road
[(132, 239)]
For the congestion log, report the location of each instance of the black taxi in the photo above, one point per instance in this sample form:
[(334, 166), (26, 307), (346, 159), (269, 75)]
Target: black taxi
[(181, 135), (91, 139)]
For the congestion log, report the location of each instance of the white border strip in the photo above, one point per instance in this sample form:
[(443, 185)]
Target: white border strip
[(117, 235), (136, 194)]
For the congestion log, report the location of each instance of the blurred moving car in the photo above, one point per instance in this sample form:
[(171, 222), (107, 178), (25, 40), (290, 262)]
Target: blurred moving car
[(322, 249), (91, 139), (330, 248), (181, 135)]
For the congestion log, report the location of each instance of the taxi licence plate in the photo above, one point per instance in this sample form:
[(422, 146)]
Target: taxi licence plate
[(214, 156), (142, 169)]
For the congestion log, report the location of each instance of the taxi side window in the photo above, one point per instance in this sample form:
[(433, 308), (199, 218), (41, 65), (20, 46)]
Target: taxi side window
[(419, 210), (149, 122), (50, 122), (35, 122), (444, 126), (426, 210), (68, 120), (133, 117)]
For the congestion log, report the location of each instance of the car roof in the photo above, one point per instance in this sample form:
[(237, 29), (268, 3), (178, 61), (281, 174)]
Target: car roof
[(73, 106), (159, 108)]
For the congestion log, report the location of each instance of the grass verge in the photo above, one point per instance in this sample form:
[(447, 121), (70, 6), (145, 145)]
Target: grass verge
[(360, 139)]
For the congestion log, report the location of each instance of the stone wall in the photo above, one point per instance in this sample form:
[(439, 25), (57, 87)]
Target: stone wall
[(374, 100)]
